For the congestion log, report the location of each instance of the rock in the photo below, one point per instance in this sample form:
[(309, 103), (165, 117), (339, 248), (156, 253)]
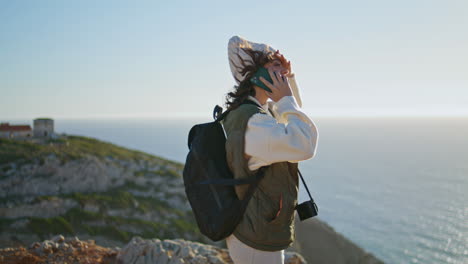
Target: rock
[(43, 209), (72, 239), (144, 251), (293, 258), (137, 251), (36, 179), (58, 238), (34, 245), (49, 251)]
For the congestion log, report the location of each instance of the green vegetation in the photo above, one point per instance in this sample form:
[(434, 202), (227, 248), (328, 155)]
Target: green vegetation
[(119, 198), (72, 148), (55, 225), (80, 145), (12, 150), (12, 199), (78, 220), (168, 172), (111, 199), (112, 232), (132, 185), (6, 168), (163, 171), (5, 223)]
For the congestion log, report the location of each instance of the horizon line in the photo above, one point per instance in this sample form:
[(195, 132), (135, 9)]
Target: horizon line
[(178, 117)]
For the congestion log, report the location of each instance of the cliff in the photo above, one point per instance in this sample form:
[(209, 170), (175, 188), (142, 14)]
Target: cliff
[(95, 190)]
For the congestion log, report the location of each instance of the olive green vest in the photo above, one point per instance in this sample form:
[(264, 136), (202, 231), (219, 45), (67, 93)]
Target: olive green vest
[(259, 227)]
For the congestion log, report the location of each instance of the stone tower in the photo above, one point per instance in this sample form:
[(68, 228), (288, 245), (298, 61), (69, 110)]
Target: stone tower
[(43, 127)]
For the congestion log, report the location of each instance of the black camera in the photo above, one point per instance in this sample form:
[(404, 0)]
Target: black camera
[(307, 210)]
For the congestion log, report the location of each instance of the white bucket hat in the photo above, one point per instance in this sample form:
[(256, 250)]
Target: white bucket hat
[(234, 47)]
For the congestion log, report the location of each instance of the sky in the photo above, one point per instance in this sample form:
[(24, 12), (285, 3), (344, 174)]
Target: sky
[(168, 59)]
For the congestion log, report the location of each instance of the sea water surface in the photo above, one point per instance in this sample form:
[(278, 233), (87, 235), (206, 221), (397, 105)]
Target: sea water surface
[(397, 187)]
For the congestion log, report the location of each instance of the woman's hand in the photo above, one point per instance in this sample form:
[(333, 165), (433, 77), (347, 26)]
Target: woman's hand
[(280, 86), (286, 64)]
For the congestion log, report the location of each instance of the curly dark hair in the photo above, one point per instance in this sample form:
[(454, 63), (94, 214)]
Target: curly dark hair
[(247, 69)]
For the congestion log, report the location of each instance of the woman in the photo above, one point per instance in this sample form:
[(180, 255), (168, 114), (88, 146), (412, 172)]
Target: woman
[(272, 133)]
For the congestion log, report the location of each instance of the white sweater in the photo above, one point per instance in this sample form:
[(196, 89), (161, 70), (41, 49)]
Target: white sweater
[(289, 135)]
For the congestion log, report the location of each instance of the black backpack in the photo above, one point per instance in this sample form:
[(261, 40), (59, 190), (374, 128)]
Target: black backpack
[(209, 183)]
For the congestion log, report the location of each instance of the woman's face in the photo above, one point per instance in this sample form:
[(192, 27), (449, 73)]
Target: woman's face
[(276, 66)]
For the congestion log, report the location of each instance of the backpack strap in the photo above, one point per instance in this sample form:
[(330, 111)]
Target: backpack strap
[(218, 114), (224, 181), (252, 187), (247, 101)]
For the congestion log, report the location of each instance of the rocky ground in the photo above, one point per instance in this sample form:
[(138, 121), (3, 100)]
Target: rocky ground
[(71, 250), (59, 250)]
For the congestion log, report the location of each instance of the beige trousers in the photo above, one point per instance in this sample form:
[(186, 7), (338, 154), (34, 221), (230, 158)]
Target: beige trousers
[(242, 254)]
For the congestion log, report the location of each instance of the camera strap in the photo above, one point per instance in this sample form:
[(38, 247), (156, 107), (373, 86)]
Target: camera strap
[(305, 185)]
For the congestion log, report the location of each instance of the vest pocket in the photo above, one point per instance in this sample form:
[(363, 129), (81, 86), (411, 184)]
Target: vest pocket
[(279, 211), (270, 207), (286, 215), (277, 219)]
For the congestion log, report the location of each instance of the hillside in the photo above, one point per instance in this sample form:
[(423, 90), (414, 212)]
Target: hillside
[(95, 190), (90, 188)]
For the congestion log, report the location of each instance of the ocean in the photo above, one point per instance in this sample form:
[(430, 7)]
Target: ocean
[(397, 187)]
